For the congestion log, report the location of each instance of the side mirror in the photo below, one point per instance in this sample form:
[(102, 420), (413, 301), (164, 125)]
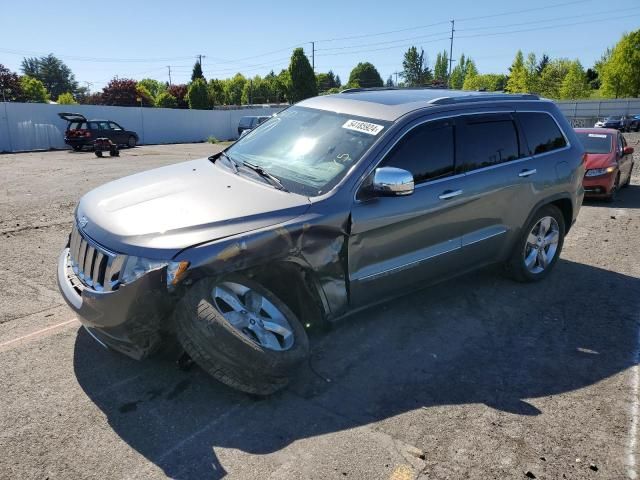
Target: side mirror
[(627, 151), (392, 182)]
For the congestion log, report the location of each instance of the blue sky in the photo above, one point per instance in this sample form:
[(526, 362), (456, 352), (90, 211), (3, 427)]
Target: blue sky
[(139, 39)]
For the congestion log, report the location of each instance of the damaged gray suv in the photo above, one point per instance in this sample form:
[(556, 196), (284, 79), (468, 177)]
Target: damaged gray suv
[(336, 203)]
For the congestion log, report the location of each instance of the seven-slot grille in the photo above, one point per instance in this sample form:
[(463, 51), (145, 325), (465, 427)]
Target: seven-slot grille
[(95, 266)]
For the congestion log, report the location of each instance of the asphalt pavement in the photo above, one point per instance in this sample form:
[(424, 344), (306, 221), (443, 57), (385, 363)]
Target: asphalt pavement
[(479, 377)]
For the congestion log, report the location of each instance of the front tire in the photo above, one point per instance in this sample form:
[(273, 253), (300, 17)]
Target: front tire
[(614, 190), (539, 247), (241, 334), (131, 142)]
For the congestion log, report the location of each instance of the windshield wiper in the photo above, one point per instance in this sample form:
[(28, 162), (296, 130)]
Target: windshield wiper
[(232, 162), (264, 174)]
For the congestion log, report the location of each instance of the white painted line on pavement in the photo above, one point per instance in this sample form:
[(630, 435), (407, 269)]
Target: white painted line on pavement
[(632, 443), (36, 333)]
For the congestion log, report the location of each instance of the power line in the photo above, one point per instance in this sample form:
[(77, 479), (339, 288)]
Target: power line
[(383, 48), (381, 43), (514, 12)]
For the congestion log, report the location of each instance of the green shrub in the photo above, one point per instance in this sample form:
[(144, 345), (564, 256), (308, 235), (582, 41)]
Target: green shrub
[(212, 139), (66, 99), (166, 100)]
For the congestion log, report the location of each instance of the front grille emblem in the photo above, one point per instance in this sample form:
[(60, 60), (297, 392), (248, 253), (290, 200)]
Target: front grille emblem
[(83, 222)]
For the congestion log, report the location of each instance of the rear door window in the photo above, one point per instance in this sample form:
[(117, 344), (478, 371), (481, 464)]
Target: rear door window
[(486, 140), (427, 152), (542, 132)]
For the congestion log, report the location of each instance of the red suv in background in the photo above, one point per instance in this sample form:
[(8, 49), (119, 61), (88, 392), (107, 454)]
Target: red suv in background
[(609, 162), (82, 132)]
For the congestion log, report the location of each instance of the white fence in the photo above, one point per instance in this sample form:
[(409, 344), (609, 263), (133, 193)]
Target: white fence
[(36, 126), (584, 113)]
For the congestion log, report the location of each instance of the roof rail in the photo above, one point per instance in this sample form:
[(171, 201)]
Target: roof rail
[(483, 98), (370, 89)]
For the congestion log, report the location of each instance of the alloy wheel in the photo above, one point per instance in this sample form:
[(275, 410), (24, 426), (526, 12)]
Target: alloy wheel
[(254, 315), (542, 245)]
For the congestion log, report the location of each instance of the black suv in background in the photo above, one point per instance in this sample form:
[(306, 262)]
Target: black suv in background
[(249, 123), (619, 122), (82, 132)]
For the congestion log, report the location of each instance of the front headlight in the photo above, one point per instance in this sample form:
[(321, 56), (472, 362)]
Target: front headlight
[(136, 267), (596, 172)]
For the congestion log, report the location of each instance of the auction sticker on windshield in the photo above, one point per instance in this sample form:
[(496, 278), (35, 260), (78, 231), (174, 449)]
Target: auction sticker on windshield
[(365, 127)]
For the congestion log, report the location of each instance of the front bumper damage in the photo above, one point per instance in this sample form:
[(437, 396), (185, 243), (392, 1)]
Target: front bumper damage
[(132, 319)]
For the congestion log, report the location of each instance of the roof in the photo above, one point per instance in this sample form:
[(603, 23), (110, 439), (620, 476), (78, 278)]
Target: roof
[(391, 103), (610, 131)]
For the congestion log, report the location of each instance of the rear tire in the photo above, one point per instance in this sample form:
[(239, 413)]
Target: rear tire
[(544, 233), (234, 355)]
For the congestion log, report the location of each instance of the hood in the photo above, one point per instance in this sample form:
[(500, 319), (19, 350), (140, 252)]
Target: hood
[(160, 212), (599, 160)]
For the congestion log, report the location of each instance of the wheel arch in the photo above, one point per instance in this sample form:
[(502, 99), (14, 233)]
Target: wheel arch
[(297, 286)]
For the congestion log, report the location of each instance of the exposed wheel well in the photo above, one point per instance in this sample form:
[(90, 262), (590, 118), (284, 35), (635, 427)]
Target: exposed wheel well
[(294, 286), (564, 204)]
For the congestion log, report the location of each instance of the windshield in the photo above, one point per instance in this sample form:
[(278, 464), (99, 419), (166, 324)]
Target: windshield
[(308, 150), (595, 142)]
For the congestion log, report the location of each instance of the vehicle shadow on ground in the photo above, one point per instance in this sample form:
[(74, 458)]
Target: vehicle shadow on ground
[(628, 197), (480, 339)]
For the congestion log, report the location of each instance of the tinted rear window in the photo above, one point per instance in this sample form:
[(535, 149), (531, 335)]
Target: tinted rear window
[(245, 121), (542, 132), (77, 125), (486, 140), (595, 142), (426, 151)]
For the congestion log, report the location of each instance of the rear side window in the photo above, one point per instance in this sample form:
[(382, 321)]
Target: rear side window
[(486, 140), (427, 152), (542, 132), (245, 122)]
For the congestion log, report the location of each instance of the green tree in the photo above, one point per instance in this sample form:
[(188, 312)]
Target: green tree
[(154, 87), (459, 73), (338, 82), (217, 96), (197, 95), (52, 72), (166, 100), (326, 81), (365, 75), (544, 61), (303, 80), (490, 82), (197, 72), (552, 77), (33, 90), (621, 72), (10, 89), (518, 75), (234, 88), (415, 70), (532, 76), (66, 99), (575, 84), (441, 68)]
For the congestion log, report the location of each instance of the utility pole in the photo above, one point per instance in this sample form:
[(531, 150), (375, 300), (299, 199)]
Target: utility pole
[(451, 50), (313, 56), (396, 74), (200, 57), (169, 67)]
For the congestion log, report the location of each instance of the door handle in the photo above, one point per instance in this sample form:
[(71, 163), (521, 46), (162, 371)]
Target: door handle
[(449, 194), (526, 173)]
